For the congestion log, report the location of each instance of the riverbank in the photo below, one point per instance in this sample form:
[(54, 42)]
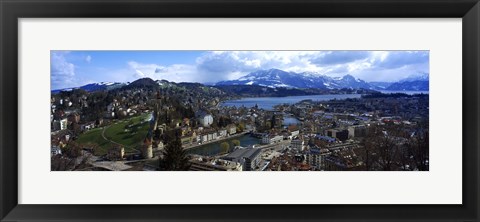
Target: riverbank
[(215, 148), (215, 141)]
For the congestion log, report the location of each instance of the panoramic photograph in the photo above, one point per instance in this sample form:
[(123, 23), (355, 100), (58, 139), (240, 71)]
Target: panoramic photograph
[(239, 110)]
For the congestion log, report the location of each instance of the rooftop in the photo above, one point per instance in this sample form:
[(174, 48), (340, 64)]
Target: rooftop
[(249, 153)]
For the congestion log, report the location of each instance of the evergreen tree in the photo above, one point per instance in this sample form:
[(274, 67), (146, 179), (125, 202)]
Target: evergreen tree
[(175, 157)]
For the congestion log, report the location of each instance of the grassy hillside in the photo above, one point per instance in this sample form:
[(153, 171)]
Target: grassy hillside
[(129, 132)]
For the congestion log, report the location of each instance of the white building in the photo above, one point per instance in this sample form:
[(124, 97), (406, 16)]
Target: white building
[(298, 145), (60, 124), (268, 139), (232, 130), (316, 158), (206, 120), (357, 131), (87, 126), (204, 138), (222, 133), (295, 133), (55, 151)]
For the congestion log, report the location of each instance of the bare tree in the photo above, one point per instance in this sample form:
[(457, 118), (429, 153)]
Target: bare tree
[(381, 148), (418, 147)]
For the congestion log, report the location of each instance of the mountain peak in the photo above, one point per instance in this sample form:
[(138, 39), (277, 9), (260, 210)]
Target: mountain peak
[(143, 82), (349, 77), (280, 78), (275, 70), (416, 77), (144, 79)]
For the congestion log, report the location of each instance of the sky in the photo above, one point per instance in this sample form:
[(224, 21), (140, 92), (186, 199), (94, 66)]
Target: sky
[(77, 68)]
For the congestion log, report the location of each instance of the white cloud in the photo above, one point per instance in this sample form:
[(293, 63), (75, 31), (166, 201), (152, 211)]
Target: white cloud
[(62, 72), (214, 66), (139, 74), (175, 72), (88, 59), (144, 70), (224, 65)]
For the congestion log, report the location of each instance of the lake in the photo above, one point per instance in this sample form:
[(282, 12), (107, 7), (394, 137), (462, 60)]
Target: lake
[(213, 149), (406, 92), (268, 103)]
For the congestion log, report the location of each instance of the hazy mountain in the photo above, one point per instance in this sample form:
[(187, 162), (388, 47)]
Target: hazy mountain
[(416, 77), (349, 81), (418, 85), (417, 82), (380, 85)]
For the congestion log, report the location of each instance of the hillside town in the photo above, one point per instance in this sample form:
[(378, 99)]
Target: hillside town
[(159, 125)]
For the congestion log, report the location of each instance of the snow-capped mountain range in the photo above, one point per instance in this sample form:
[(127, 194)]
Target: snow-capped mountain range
[(280, 78), (95, 86), (275, 78)]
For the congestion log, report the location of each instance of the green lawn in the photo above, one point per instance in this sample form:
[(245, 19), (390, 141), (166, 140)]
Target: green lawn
[(95, 136), (129, 132)]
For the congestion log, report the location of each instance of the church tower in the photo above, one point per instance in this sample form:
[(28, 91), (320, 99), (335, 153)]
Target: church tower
[(147, 150)]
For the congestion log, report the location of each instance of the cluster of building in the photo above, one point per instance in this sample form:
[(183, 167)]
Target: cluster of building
[(327, 135), (201, 135)]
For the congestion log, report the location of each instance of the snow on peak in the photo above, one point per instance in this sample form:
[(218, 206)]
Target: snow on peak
[(417, 77), (105, 83)]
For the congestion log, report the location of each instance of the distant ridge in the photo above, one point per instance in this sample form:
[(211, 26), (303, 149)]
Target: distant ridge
[(278, 78), (275, 78), (94, 87)]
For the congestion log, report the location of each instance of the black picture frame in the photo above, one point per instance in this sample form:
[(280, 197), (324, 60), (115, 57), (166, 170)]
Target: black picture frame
[(12, 10)]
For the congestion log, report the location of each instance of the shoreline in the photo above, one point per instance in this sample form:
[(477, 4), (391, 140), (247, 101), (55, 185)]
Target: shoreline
[(213, 141)]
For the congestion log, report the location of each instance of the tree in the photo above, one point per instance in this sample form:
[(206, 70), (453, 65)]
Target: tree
[(72, 158), (387, 149), (224, 147), (76, 129), (236, 142), (174, 156), (61, 163), (381, 148), (73, 150), (418, 148), (240, 127)]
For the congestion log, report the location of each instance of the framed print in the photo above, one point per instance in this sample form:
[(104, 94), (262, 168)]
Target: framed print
[(257, 110)]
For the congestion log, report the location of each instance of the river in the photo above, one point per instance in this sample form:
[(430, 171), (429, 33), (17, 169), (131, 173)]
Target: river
[(212, 149)]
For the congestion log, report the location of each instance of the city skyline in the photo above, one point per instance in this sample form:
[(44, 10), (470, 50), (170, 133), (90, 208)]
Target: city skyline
[(76, 68)]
